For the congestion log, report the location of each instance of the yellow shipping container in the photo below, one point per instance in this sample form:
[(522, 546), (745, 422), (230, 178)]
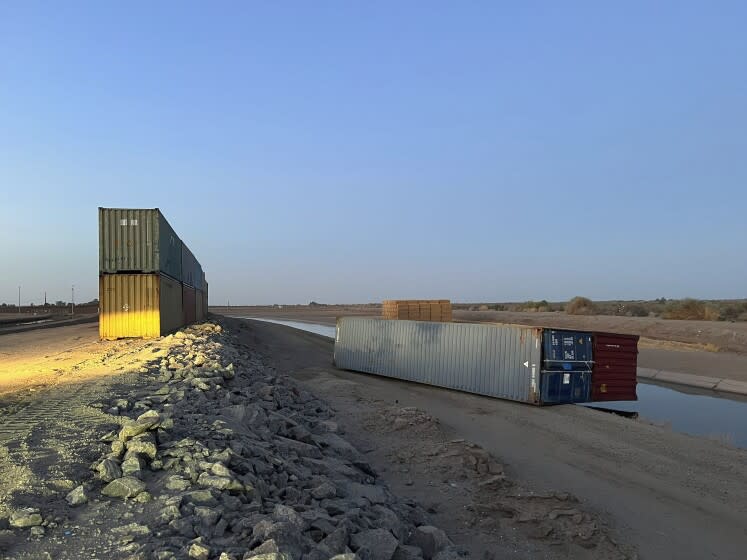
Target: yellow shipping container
[(138, 305)]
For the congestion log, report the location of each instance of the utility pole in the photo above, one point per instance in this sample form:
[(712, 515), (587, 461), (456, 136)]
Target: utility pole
[(19, 299), (45, 298), (72, 303)]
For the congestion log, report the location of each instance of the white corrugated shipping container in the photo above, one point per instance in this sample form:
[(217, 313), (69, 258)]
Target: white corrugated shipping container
[(501, 361)]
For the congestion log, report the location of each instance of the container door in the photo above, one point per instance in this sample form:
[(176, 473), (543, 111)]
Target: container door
[(559, 387)]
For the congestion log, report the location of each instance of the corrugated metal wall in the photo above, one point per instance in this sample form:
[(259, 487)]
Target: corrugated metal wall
[(170, 306), (494, 360), (138, 240), (189, 304), (138, 305), (615, 373), (200, 306)]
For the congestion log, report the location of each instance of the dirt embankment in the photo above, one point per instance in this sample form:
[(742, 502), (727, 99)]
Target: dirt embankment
[(668, 494), (691, 335), (697, 335)]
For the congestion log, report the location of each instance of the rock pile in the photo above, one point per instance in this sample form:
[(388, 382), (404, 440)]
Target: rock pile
[(224, 459)]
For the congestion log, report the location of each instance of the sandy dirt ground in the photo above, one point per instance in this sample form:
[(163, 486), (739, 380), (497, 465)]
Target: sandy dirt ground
[(668, 495), (48, 357), (679, 346), (48, 378)]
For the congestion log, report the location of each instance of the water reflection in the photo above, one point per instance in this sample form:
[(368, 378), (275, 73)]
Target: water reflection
[(689, 411), (324, 330)]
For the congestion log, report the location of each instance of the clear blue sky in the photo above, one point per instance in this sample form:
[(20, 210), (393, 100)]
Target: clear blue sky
[(355, 151)]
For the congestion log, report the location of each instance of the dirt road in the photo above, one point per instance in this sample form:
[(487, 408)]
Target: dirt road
[(670, 495)]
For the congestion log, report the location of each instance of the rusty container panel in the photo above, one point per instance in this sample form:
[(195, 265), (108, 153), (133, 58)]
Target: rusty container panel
[(138, 240), (138, 305), (495, 360), (205, 295), (199, 305), (189, 304), (614, 375)]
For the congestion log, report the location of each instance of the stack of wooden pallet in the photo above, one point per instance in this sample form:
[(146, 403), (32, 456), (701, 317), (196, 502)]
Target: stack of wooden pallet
[(417, 309)]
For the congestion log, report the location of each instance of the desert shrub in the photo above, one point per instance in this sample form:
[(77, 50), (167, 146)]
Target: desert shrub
[(691, 309), (580, 306), (734, 312), (499, 307), (483, 308), (636, 310), (535, 306)]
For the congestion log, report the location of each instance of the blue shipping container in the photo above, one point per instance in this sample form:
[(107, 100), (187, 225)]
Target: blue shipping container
[(567, 350), (565, 386)]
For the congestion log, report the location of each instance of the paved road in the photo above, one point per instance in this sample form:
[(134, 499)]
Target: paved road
[(672, 495)]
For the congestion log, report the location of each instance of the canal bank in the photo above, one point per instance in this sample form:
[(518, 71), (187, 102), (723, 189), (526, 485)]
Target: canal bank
[(671, 494), (717, 384), (713, 411)]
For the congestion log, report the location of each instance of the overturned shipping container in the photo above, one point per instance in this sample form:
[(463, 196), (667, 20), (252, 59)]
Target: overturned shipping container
[(138, 240), (501, 361), (615, 373), (138, 305)]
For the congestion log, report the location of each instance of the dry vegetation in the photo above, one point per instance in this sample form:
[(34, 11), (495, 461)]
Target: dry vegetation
[(684, 309)]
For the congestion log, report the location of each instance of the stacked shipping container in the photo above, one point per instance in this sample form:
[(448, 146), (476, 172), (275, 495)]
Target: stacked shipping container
[(417, 309), (147, 287)]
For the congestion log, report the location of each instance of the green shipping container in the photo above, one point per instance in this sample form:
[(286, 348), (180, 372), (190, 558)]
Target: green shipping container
[(138, 241)]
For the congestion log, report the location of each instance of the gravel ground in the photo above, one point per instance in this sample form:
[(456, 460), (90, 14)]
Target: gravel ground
[(204, 452)]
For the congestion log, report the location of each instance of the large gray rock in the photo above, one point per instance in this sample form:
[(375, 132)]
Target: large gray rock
[(25, 517), (198, 551), (125, 487), (220, 483), (132, 464), (177, 483), (430, 540), (288, 515), (287, 536), (334, 543), (207, 515), (76, 496), (324, 491), (407, 552), (109, 470), (375, 544), (268, 556), (203, 497), (145, 444), (144, 422)]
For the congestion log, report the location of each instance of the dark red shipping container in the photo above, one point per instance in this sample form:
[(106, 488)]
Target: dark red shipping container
[(615, 371), (190, 304)]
